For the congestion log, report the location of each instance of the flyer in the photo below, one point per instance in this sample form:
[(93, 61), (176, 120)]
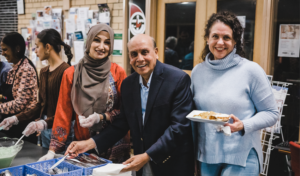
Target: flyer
[(73, 13), (40, 14), (39, 25), (104, 14), (83, 13), (56, 25), (80, 26), (118, 45), (47, 24), (48, 12), (289, 40), (56, 13), (70, 25), (79, 50)]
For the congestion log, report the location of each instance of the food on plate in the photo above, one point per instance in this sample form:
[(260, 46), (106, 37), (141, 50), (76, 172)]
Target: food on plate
[(213, 116)]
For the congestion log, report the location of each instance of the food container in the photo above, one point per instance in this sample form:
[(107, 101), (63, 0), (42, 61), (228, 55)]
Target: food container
[(8, 150), (23, 171), (44, 166)]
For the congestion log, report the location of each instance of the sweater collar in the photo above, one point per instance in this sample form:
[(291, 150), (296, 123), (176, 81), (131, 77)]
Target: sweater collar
[(232, 59)]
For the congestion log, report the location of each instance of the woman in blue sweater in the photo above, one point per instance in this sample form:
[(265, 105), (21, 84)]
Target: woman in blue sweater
[(228, 83)]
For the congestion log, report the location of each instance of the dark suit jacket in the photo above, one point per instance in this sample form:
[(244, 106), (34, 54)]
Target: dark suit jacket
[(166, 135)]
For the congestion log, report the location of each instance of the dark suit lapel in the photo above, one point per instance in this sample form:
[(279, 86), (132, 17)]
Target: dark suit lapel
[(156, 82), (136, 96)]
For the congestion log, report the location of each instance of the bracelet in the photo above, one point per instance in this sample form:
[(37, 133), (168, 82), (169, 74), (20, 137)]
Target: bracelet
[(104, 117)]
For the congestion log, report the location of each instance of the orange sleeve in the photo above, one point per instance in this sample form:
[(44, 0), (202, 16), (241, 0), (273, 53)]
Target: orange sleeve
[(63, 114), (119, 75)]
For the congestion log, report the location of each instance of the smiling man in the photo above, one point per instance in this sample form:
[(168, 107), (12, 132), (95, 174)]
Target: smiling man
[(155, 101)]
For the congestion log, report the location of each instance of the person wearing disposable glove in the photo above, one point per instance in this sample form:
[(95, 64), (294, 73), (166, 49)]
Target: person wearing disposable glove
[(20, 89), (91, 89), (48, 46)]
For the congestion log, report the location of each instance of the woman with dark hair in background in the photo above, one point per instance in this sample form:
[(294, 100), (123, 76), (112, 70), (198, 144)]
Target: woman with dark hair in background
[(48, 46), (90, 94), (20, 89), (228, 83)]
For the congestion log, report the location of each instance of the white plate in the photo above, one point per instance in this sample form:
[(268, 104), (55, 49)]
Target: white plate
[(198, 119)]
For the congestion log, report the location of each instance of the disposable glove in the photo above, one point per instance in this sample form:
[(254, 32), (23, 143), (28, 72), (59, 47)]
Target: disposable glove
[(32, 127), (48, 156), (90, 121), (7, 123)]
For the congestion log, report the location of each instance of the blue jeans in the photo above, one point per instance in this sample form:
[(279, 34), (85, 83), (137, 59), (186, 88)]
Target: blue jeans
[(223, 169), (46, 138)]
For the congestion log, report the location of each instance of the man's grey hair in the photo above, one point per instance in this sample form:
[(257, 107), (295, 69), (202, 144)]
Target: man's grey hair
[(171, 42)]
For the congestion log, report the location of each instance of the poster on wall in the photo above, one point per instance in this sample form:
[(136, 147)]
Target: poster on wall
[(48, 12), (104, 14), (118, 45), (20, 6), (289, 40), (137, 20)]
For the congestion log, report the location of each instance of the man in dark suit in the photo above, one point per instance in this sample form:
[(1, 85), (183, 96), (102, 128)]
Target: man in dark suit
[(161, 133)]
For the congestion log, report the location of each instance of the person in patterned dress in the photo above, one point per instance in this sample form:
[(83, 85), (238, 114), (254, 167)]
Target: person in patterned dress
[(20, 90), (90, 94)]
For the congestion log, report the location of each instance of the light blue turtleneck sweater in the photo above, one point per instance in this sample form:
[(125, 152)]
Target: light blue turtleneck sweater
[(232, 85)]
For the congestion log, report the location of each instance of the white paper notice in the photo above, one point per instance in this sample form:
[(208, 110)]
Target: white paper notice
[(20, 6), (39, 25), (289, 40), (104, 17), (56, 13), (83, 13), (70, 25), (48, 12), (56, 25), (118, 45), (91, 14), (79, 50), (47, 24), (73, 13), (80, 25)]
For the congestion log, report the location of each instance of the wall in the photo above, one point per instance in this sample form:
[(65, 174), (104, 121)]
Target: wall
[(115, 6)]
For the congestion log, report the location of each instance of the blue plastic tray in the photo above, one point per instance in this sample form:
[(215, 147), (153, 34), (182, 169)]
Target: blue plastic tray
[(89, 170), (45, 165), (23, 171)]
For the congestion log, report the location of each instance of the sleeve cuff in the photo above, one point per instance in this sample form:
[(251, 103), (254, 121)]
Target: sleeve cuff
[(247, 127), (96, 146)]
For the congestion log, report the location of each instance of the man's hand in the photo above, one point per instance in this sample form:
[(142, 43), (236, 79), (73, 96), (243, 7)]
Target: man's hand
[(237, 125), (136, 162), (78, 147)]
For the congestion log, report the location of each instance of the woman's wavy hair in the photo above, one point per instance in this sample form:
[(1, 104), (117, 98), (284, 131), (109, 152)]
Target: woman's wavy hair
[(232, 21), (52, 37)]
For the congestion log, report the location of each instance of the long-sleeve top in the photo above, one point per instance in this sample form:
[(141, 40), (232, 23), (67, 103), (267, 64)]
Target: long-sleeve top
[(65, 113), (48, 95), (24, 88), (4, 69), (232, 85)]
